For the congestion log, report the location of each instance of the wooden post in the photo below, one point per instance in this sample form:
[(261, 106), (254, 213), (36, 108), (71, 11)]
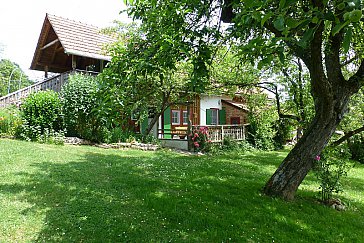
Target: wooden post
[(243, 132), (74, 63), (101, 65), (189, 128), (46, 72), (222, 133)]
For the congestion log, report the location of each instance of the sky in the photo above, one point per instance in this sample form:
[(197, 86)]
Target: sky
[(21, 22)]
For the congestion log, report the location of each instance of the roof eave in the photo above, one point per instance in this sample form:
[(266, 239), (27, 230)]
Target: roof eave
[(87, 54)]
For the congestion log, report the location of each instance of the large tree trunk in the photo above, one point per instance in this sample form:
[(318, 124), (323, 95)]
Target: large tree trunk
[(286, 180)]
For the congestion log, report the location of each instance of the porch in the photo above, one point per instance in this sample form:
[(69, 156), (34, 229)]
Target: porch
[(178, 137)]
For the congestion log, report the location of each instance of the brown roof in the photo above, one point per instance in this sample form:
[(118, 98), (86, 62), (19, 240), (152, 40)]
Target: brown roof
[(62, 37), (236, 104)]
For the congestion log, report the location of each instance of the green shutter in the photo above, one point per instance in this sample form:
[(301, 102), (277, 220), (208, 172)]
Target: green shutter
[(208, 116), (222, 117), (167, 123)]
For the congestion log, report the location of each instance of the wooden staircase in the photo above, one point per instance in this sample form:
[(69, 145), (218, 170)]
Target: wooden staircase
[(54, 83)]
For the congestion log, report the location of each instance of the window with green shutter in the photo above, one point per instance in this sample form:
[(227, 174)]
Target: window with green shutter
[(167, 123), (208, 116), (222, 117)]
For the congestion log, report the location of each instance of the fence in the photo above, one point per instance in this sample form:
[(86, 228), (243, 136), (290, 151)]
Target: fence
[(54, 83), (216, 133)]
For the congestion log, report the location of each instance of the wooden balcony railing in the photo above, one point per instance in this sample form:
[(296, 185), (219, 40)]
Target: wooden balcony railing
[(216, 133), (54, 83)]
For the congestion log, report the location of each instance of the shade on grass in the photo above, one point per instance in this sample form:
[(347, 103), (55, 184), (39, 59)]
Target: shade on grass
[(63, 193)]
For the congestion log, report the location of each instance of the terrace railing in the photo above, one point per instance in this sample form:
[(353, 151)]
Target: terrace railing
[(216, 133), (54, 83)]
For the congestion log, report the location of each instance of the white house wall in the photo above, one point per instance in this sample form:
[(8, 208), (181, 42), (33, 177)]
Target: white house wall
[(208, 102)]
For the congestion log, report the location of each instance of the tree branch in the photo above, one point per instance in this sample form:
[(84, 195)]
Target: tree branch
[(347, 62), (347, 136), (357, 80)]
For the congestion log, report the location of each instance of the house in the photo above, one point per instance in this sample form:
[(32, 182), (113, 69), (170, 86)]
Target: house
[(64, 46), (207, 110), (224, 116)]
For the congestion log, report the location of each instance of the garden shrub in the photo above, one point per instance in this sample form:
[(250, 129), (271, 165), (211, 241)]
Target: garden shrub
[(261, 131), (229, 144), (79, 99), (262, 119), (283, 129), (200, 139), (41, 114), (120, 135), (10, 120), (356, 147), (329, 168)]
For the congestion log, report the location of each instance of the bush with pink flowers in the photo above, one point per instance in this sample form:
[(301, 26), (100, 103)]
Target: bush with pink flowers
[(200, 139)]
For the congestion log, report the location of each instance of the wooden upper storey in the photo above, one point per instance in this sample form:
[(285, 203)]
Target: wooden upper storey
[(66, 44)]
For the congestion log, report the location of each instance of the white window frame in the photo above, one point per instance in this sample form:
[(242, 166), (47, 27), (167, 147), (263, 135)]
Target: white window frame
[(178, 122), (183, 117)]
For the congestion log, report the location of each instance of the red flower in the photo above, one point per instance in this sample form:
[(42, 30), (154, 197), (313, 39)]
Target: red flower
[(196, 144), (318, 158)]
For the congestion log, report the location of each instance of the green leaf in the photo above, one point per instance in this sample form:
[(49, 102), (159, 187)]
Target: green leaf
[(282, 4), (329, 16), (279, 23), (265, 18), (281, 55), (341, 6), (347, 40), (307, 37), (339, 27)]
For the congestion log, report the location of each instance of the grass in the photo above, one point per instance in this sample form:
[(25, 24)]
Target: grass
[(85, 194)]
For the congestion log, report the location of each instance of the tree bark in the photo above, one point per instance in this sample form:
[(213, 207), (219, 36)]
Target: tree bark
[(331, 93), (286, 180)]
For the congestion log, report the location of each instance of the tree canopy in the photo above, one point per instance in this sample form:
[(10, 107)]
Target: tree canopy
[(326, 35), (11, 71)]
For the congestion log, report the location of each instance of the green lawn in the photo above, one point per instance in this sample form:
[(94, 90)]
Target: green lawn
[(85, 194)]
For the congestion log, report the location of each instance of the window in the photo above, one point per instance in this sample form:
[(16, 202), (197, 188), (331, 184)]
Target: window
[(235, 120), (185, 118), (176, 117), (214, 116)]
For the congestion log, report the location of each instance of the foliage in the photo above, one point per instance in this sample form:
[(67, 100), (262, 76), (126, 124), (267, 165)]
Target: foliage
[(356, 146), (230, 74), (200, 139), (80, 103), (353, 120), (329, 168), (118, 135), (138, 81), (87, 194), (283, 128), (37, 134), (323, 34), (262, 117), (18, 78), (9, 120), (41, 112)]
